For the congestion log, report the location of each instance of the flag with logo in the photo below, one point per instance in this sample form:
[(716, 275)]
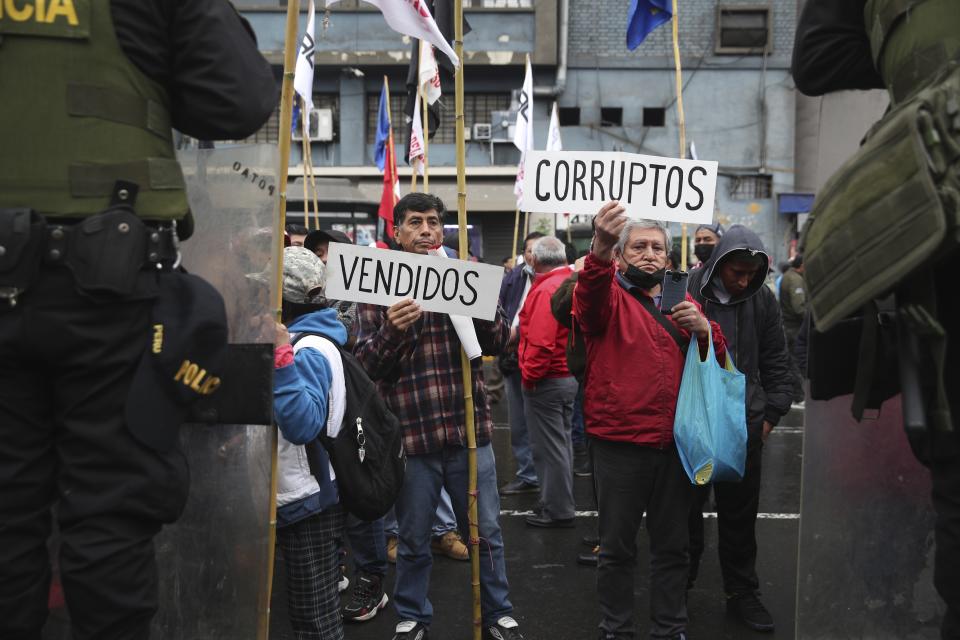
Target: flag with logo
[(386, 160), (416, 153), (643, 17), (523, 131), (413, 18), (554, 143), (303, 76), (429, 73)]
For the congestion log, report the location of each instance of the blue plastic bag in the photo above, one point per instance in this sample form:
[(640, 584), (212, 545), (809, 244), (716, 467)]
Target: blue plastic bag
[(710, 427)]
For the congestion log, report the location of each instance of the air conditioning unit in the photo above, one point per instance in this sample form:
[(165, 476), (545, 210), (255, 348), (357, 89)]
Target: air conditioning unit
[(319, 126), (482, 131), (467, 134)]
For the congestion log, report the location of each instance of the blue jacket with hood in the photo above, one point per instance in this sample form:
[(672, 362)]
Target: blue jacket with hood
[(301, 401)]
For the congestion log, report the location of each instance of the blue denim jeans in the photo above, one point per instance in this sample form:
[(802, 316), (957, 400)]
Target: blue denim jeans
[(519, 437), (368, 544), (416, 507), (444, 520)]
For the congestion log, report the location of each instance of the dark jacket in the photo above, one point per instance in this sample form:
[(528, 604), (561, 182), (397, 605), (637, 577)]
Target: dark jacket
[(205, 55), (754, 331), (831, 50), (511, 292)]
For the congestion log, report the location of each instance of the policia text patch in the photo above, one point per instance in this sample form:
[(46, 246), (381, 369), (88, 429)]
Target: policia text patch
[(577, 182), (45, 18)]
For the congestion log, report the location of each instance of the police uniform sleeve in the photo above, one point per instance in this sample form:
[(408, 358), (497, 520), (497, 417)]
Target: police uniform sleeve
[(831, 51), (205, 54)]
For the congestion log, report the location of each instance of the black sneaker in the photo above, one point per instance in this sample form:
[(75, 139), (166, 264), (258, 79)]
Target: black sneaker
[(517, 486), (410, 630), (344, 582), (367, 599), (506, 628), (747, 608)]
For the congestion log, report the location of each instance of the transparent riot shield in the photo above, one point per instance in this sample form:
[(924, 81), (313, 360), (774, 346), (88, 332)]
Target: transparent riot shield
[(865, 565), (214, 560)]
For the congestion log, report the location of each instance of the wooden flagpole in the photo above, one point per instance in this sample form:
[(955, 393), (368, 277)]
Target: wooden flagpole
[(472, 495), (678, 66), (304, 145), (425, 115), (516, 233), (286, 116)]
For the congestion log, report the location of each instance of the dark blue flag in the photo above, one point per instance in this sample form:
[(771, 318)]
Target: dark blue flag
[(645, 16), (383, 129)]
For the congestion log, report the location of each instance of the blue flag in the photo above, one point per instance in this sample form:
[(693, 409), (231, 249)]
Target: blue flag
[(645, 16), (383, 131)]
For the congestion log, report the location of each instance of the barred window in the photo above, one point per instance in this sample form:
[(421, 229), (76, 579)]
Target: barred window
[(751, 187), (270, 131), (477, 107)]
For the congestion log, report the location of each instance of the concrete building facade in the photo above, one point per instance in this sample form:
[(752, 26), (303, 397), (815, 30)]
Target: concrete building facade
[(738, 98)]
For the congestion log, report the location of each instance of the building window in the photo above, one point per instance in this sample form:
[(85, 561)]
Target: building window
[(751, 187), (743, 29), (654, 116), (611, 116), (270, 131), (569, 116), (477, 109)]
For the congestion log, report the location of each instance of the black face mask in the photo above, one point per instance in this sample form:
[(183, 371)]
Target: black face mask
[(703, 251), (643, 279)]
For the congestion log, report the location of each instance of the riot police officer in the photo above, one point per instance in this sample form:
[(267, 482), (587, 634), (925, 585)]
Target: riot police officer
[(92, 204), (909, 48)]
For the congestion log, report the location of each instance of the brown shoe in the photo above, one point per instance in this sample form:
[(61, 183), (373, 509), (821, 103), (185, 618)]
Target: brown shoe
[(450, 545), (392, 550)]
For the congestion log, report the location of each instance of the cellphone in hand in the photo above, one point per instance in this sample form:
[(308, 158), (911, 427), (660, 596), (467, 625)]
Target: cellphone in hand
[(674, 290)]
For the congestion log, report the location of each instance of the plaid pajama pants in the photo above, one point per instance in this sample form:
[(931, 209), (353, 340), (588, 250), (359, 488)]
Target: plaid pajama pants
[(311, 554)]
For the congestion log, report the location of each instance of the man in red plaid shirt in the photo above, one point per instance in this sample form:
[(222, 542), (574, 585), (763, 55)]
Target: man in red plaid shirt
[(414, 356)]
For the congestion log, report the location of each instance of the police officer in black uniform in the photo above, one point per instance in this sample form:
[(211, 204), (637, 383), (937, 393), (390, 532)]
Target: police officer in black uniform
[(91, 203), (909, 45)]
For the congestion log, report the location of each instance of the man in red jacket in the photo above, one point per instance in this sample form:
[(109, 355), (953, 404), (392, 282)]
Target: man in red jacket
[(634, 366), (548, 388)]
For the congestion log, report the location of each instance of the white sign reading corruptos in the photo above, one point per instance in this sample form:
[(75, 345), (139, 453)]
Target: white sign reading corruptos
[(668, 189), (382, 277)]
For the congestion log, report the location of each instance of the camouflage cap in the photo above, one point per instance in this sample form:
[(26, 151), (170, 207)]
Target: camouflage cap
[(304, 275)]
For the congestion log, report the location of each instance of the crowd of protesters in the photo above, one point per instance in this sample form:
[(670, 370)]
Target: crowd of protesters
[(589, 363)]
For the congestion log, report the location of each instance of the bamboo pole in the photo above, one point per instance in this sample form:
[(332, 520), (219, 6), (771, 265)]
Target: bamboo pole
[(286, 115), (304, 130), (425, 114), (680, 120), (472, 495)]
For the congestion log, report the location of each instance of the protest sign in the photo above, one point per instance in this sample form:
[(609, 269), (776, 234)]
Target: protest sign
[(379, 276), (577, 182)]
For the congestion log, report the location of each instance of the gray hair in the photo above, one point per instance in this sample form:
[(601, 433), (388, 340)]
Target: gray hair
[(549, 252), (634, 224)]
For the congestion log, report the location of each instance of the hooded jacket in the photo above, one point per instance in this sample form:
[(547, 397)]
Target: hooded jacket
[(753, 328), (308, 395)]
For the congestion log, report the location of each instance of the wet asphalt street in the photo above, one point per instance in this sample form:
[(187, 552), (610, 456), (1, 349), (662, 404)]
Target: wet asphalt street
[(555, 598)]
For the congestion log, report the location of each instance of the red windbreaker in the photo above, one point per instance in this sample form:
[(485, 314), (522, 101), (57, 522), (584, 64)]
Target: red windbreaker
[(633, 365), (543, 340)]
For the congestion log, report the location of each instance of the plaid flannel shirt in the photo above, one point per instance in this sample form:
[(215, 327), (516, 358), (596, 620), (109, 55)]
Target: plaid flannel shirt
[(419, 375)]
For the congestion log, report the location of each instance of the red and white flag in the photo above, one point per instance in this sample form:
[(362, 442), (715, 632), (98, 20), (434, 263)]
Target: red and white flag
[(416, 140), (412, 18), (429, 73), (523, 132)]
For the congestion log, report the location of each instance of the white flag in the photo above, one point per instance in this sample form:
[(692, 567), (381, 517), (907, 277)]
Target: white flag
[(303, 76), (553, 134), (518, 185), (416, 139), (429, 73), (523, 132), (412, 18)]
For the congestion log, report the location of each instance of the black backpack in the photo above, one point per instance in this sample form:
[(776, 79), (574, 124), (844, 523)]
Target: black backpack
[(367, 455)]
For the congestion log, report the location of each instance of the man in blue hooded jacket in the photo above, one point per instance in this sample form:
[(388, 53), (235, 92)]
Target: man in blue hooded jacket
[(309, 396), (731, 289)]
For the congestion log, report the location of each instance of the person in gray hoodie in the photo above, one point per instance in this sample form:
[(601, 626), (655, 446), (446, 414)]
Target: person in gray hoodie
[(731, 289)]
